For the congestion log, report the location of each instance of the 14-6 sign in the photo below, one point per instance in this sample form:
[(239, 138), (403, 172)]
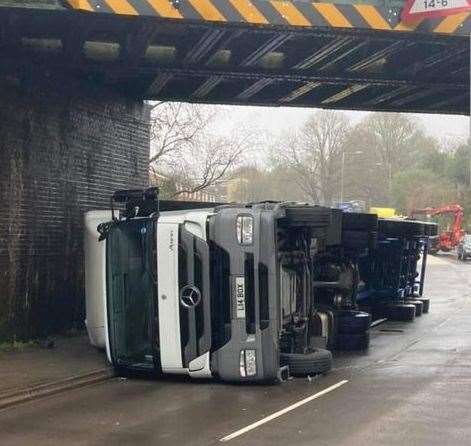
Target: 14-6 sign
[(415, 9)]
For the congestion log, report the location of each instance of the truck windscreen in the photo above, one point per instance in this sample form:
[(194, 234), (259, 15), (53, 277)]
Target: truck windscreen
[(130, 293)]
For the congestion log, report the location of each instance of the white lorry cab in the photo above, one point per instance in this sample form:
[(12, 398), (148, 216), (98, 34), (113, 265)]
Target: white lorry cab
[(222, 291)]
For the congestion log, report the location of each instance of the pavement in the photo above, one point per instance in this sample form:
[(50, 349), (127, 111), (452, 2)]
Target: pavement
[(411, 388), (33, 371)]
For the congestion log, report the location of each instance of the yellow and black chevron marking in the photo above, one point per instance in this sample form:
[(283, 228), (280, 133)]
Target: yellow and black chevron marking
[(279, 12)]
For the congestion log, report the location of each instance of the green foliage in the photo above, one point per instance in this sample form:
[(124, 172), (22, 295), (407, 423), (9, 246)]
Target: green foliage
[(418, 188), (458, 168), (433, 159), (435, 177)]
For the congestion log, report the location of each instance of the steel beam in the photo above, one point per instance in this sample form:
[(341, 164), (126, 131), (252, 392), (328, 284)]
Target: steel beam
[(159, 83), (136, 43), (301, 91), (270, 45), (335, 60), (255, 88), (330, 78), (320, 55), (413, 97), (389, 95), (207, 86), (344, 93), (203, 47), (376, 56), (438, 58), (450, 100)]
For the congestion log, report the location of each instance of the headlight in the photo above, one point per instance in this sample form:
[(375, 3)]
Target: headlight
[(244, 228), (248, 363)]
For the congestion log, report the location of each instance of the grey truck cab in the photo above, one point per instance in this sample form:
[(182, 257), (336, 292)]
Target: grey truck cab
[(222, 291)]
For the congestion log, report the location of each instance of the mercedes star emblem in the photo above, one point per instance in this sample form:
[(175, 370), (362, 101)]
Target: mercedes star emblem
[(190, 296)]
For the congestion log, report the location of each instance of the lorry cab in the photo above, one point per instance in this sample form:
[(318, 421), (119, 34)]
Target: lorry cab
[(158, 293), (221, 291)]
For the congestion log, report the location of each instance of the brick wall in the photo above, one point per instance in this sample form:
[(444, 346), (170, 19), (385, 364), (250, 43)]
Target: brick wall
[(61, 154)]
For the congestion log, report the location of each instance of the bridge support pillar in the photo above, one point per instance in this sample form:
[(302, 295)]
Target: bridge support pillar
[(62, 152)]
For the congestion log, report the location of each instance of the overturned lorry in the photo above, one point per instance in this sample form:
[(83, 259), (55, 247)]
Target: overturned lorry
[(242, 292)]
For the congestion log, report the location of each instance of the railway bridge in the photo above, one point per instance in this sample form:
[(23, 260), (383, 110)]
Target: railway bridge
[(74, 78)]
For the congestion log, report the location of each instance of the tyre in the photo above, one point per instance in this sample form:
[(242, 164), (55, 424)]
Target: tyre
[(352, 342), (353, 322), (313, 363), (426, 302), (419, 306), (401, 312)]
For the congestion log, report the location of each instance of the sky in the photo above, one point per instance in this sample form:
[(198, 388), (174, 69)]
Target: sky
[(270, 119)]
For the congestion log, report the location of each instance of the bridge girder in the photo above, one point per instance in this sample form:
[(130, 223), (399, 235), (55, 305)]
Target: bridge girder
[(238, 63)]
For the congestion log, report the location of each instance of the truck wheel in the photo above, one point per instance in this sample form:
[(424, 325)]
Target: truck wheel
[(419, 306), (351, 342), (426, 302), (353, 322), (401, 312), (313, 363)]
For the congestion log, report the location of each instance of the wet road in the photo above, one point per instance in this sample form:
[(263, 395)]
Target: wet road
[(413, 387)]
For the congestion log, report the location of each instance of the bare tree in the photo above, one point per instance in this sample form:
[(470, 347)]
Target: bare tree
[(187, 148), (315, 153), (175, 126), (208, 163)]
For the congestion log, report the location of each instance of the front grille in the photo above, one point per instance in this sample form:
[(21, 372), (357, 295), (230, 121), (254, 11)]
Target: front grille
[(220, 296), (263, 290), (249, 275), (195, 322)]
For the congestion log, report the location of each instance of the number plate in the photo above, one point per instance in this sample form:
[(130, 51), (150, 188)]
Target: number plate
[(240, 297)]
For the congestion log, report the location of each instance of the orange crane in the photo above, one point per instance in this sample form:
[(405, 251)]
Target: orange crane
[(448, 239)]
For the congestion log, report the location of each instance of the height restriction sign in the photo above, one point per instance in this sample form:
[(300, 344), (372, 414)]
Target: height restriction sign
[(415, 9)]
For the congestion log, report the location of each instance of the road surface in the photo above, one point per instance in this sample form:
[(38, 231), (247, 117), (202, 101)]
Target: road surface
[(412, 388)]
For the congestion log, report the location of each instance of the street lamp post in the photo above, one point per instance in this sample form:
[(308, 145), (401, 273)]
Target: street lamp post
[(342, 170)]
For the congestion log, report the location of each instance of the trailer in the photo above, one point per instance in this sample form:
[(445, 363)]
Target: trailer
[(393, 274)]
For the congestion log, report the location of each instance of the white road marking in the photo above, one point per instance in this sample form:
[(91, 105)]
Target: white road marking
[(282, 412)]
